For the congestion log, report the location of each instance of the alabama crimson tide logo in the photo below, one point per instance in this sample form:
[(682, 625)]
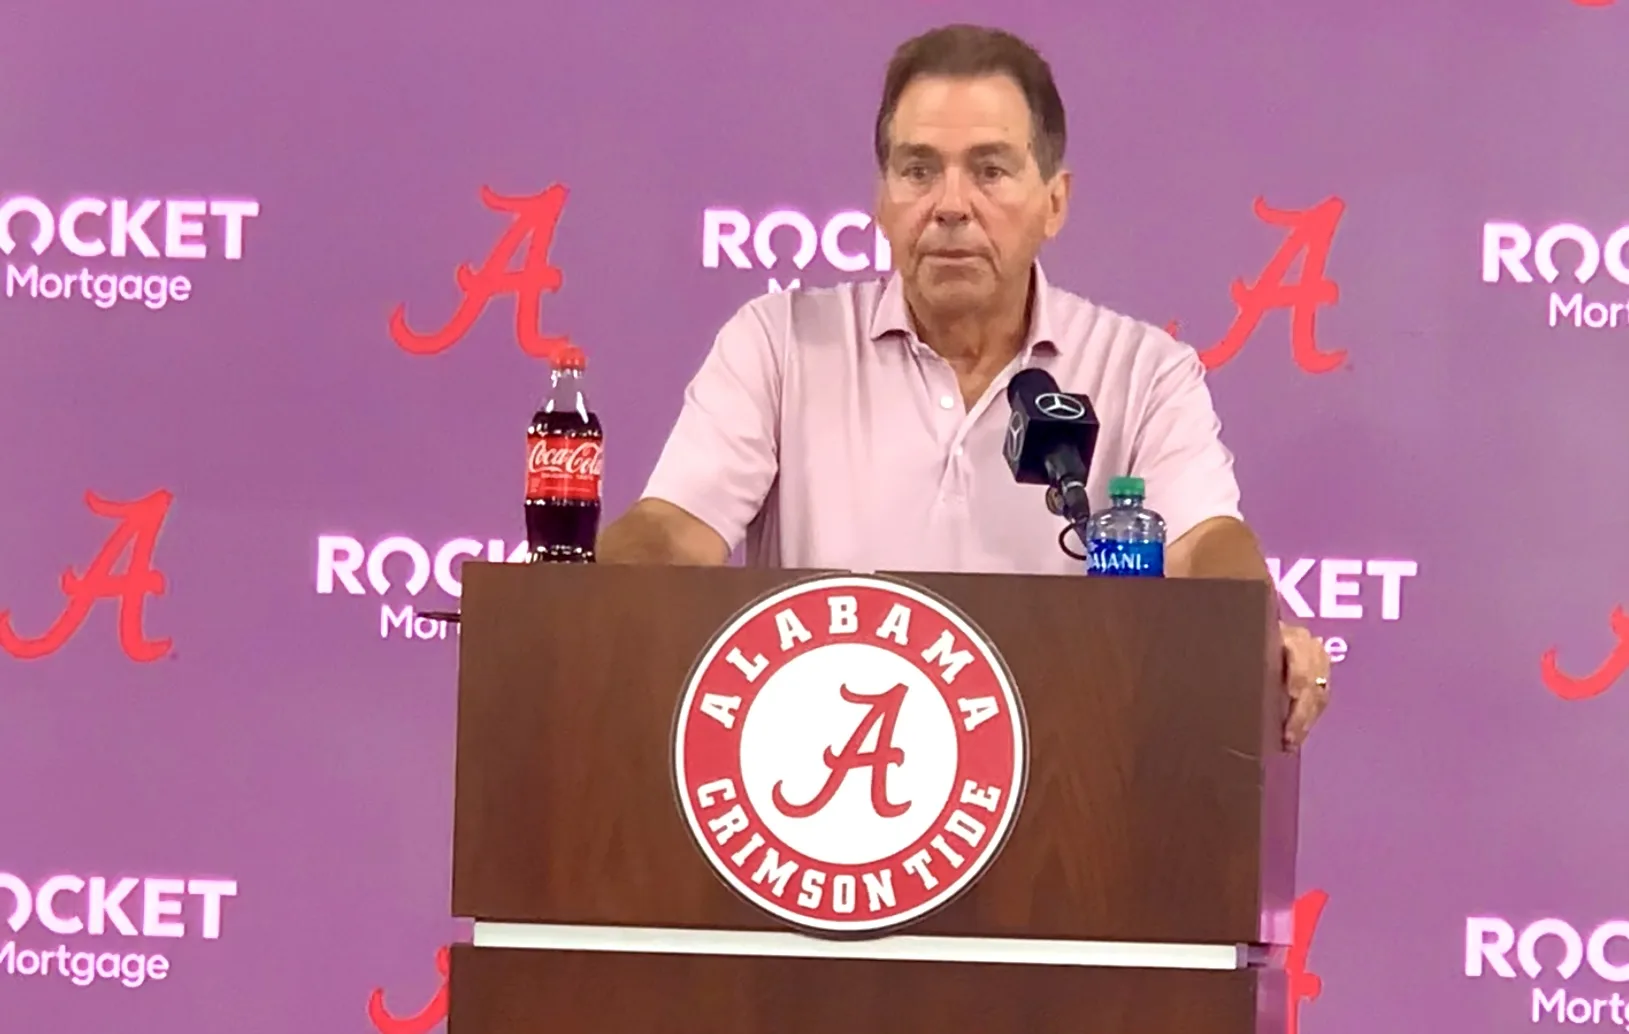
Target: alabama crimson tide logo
[(850, 754)]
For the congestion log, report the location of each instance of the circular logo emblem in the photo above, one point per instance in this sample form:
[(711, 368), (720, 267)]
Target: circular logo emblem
[(1059, 406), (850, 754)]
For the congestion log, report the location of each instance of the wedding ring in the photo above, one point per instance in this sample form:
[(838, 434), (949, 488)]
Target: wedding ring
[(1321, 682)]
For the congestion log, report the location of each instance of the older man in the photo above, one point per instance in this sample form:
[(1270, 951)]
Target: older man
[(860, 427)]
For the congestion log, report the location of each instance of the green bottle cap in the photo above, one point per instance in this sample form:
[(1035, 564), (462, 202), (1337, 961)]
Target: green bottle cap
[(1125, 486)]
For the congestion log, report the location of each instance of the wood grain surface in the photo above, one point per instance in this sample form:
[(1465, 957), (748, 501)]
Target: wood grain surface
[(495, 991), (1159, 805)]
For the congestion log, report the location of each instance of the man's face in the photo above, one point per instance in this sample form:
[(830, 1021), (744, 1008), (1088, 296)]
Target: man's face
[(962, 200)]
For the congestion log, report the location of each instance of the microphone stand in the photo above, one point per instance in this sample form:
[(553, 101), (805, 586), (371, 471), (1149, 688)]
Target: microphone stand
[(1066, 498)]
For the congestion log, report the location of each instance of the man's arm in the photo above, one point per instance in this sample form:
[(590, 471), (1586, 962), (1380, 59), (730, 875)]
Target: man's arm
[(1220, 547), (1190, 479), (719, 461), (654, 531), (1223, 547)]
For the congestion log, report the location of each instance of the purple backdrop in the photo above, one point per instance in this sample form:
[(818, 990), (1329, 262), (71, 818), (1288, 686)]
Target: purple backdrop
[(255, 765)]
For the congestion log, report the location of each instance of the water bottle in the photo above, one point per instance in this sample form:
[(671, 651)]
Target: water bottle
[(1127, 539)]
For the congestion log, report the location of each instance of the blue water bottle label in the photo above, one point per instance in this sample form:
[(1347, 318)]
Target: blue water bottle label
[(1134, 559)]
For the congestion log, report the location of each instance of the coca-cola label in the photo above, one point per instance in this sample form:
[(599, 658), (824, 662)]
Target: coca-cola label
[(558, 467)]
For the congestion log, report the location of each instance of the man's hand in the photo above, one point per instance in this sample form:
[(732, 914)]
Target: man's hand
[(1224, 547), (1306, 679)]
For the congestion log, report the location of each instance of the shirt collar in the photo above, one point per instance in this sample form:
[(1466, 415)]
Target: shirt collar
[(893, 316)]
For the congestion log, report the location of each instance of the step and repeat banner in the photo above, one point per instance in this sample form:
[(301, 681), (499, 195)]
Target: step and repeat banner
[(277, 279)]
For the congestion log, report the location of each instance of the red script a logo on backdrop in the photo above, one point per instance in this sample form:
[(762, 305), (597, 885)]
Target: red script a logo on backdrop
[(850, 754), (1582, 687), (420, 1022), (535, 218), (139, 525), (1311, 235), (1303, 985)]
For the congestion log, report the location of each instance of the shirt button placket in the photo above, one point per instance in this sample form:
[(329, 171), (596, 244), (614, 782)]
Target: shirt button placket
[(955, 483), (950, 428)]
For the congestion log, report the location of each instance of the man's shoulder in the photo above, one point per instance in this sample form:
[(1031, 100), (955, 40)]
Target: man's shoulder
[(810, 311), (1099, 330), (851, 297), (845, 313)]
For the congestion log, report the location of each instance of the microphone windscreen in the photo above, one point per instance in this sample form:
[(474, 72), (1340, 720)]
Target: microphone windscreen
[(1031, 381)]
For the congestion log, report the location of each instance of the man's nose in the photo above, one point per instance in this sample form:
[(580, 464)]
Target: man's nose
[(951, 207)]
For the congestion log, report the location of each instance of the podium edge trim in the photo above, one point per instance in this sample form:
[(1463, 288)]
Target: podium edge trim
[(899, 948)]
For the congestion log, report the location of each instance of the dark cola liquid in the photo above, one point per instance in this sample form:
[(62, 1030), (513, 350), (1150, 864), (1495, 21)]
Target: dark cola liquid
[(565, 449)]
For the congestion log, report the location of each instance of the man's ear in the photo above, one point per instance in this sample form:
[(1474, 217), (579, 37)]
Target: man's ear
[(1058, 188), (877, 205)]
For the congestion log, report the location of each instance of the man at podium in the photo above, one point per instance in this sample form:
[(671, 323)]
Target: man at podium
[(860, 426)]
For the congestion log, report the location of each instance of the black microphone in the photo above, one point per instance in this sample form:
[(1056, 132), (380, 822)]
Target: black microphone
[(1050, 440)]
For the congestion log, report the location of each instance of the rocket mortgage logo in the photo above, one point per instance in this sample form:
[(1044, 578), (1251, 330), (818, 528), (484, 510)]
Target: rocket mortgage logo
[(84, 930), (116, 252)]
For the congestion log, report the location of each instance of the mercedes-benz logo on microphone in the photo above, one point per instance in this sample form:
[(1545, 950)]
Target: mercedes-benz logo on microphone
[(1059, 406), (1015, 437)]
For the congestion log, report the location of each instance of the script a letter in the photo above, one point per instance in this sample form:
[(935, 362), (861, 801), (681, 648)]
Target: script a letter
[(420, 1022), (883, 714), (1301, 984), (535, 220), (139, 526), (1582, 687), (1312, 233)]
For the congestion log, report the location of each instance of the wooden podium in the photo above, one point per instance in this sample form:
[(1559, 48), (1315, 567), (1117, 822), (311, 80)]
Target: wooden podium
[(1145, 887)]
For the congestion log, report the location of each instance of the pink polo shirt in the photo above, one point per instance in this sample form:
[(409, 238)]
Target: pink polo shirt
[(825, 434)]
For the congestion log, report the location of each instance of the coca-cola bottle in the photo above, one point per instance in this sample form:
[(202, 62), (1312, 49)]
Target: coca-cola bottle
[(565, 455)]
